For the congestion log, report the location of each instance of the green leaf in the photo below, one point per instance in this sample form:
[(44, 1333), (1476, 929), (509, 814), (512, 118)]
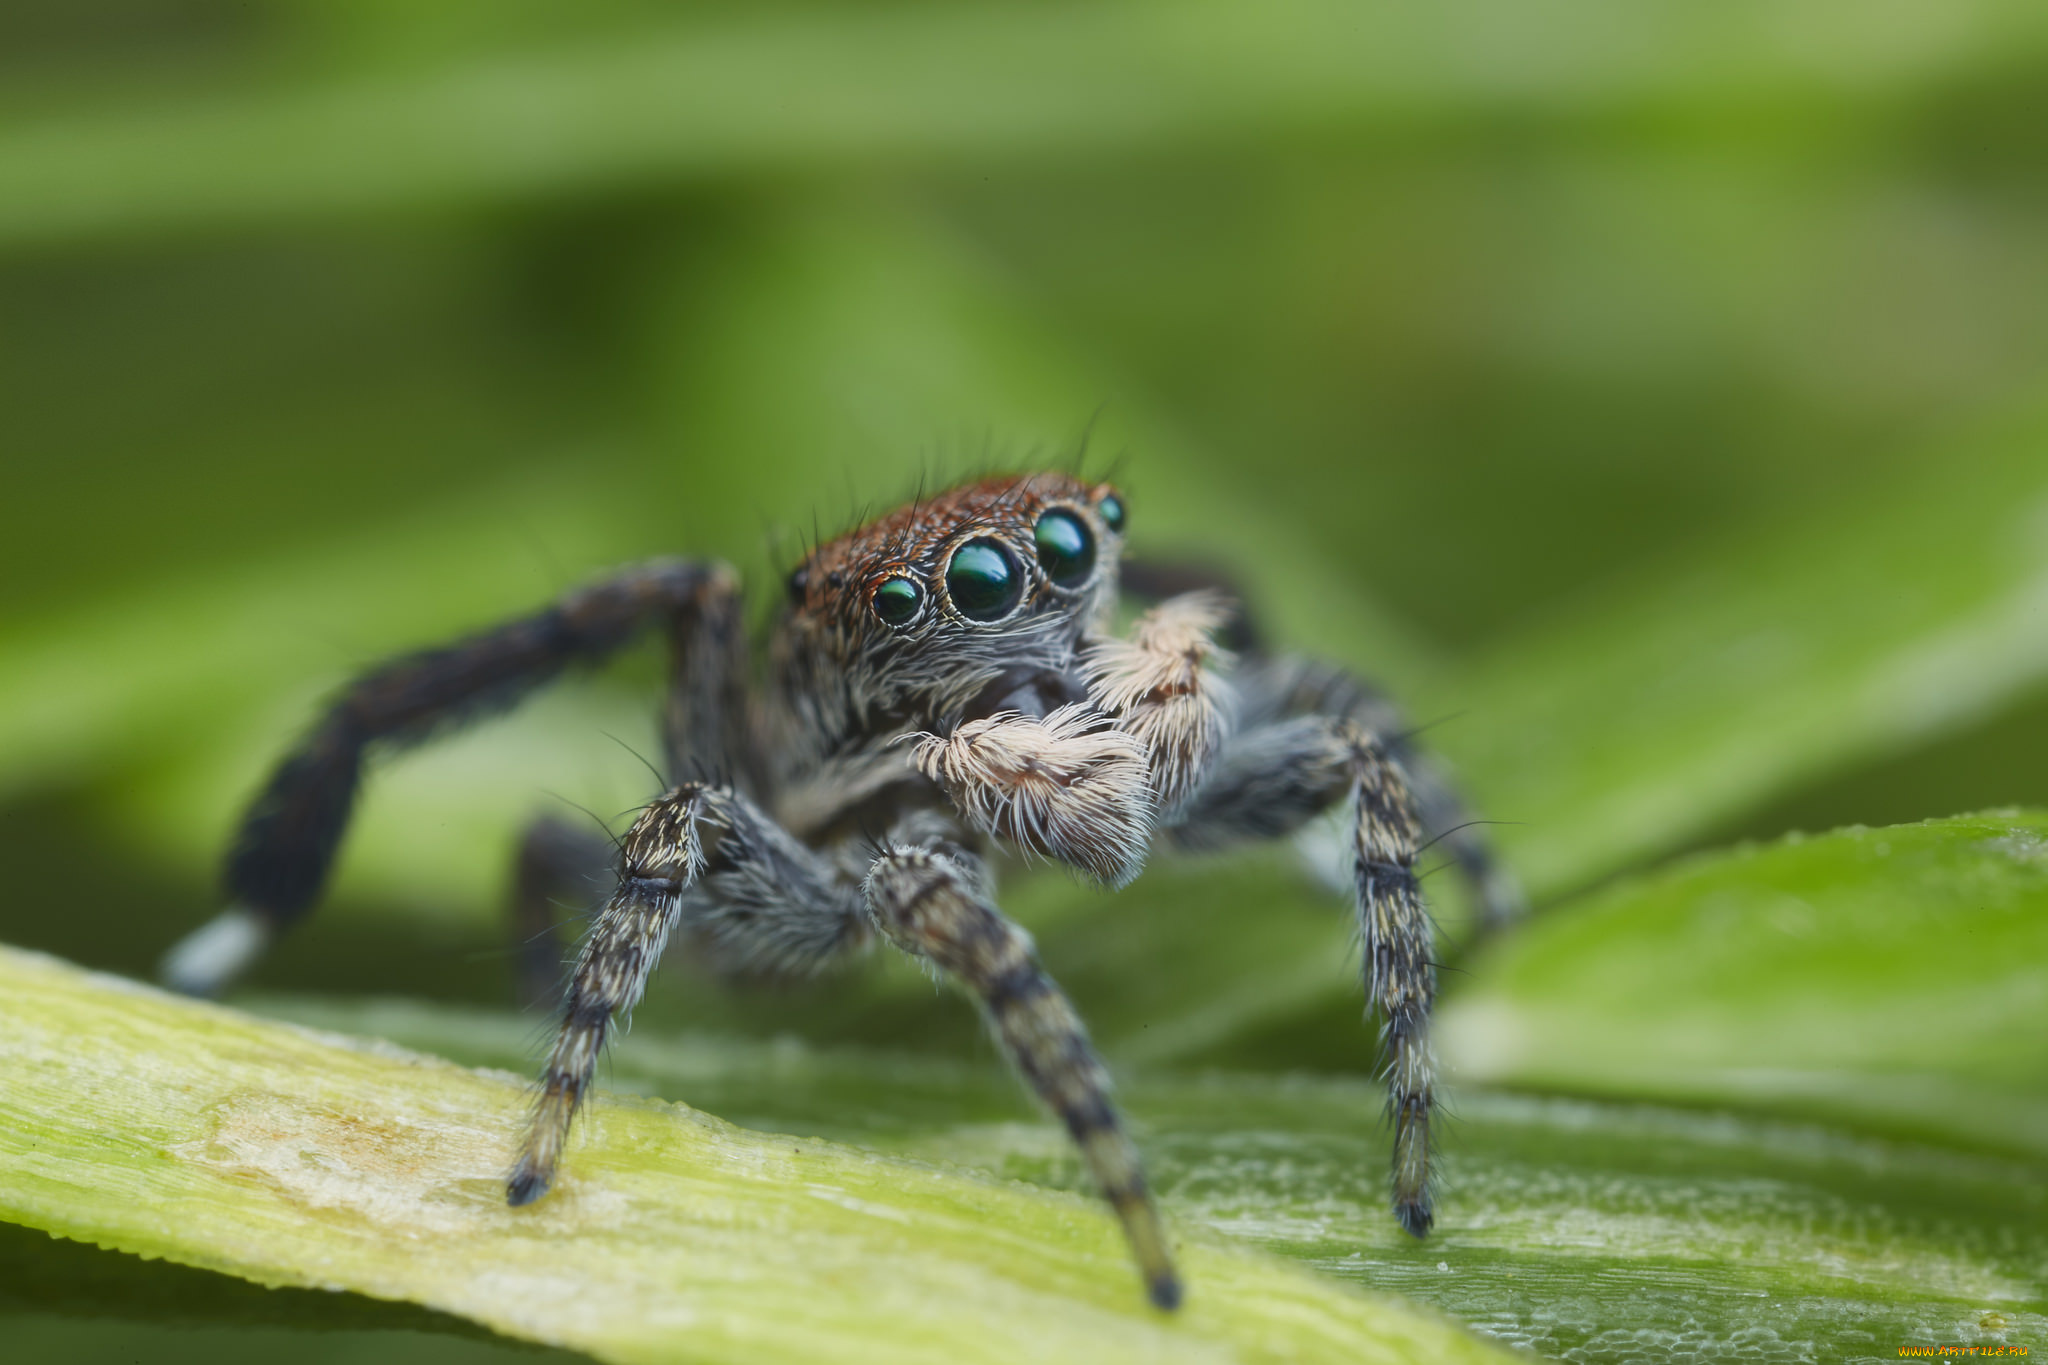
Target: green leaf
[(1577, 1229), (153, 1125), (896, 83), (1674, 701), (1889, 978)]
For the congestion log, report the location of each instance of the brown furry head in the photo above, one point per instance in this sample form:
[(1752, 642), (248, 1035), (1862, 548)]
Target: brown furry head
[(971, 602)]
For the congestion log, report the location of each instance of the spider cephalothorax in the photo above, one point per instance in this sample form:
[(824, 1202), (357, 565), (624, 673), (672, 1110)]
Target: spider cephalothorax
[(943, 684)]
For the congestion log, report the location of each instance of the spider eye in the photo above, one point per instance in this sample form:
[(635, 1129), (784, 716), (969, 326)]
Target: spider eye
[(1066, 549), (984, 581), (897, 600), (799, 579), (1112, 509)]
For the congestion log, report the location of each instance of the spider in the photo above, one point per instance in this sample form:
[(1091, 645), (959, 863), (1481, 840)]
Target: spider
[(942, 683)]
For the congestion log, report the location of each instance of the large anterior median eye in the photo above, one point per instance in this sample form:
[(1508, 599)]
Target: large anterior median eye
[(1066, 548), (897, 600), (984, 581)]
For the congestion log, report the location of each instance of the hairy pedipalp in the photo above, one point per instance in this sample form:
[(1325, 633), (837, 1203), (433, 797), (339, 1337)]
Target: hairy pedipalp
[(1070, 786)]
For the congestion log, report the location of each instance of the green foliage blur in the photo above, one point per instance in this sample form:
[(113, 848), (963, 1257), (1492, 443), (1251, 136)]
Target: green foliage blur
[(327, 329), (1654, 396)]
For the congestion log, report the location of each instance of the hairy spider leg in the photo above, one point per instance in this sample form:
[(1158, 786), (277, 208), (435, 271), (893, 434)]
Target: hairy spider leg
[(1400, 971), (708, 719), (1269, 782), (703, 860), (933, 907), (281, 856)]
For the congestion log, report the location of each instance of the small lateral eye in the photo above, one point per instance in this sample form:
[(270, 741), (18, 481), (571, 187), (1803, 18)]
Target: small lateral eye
[(1066, 548), (984, 581), (897, 600), (799, 580), (1111, 509)]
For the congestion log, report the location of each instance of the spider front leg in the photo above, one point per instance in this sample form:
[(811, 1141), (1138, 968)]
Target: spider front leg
[(1268, 783), (931, 905), (703, 859), (288, 838)]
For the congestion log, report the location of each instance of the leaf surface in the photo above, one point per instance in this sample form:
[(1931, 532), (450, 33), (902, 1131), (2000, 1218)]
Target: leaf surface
[(1599, 1231), (158, 1126), (1895, 979)]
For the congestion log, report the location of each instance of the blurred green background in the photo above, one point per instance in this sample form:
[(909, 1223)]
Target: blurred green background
[(1655, 396)]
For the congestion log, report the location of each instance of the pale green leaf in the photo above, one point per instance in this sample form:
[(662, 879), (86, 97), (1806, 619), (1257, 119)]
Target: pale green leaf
[(1589, 1231), (1894, 978), (153, 1125)]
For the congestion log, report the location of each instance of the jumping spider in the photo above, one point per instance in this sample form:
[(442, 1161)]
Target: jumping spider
[(941, 682)]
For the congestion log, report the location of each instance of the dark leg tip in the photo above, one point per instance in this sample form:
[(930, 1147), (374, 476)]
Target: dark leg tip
[(1164, 1292), (1415, 1219), (524, 1187)]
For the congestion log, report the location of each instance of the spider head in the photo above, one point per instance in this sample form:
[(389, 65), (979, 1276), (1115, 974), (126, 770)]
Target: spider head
[(961, 604)]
